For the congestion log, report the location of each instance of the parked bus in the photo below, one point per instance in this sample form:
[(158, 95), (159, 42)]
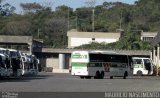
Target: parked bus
[(97, 64), (15, 60), (14, 63), (142, 66), (33, 64), (5, 66), (3, 69), (24, 63)]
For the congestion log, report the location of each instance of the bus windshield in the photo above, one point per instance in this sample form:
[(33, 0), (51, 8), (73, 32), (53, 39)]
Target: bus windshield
[(137, 61), (13, 54)]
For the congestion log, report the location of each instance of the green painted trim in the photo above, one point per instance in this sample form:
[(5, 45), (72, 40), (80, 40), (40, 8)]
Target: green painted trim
[(138, 65), (85, 64), (79, 64)]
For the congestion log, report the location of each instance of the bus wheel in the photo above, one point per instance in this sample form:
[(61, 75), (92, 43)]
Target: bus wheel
[(125, 75), (97, 76), (88, 77), (82, 77), (111, 77), (139, 73), (102, 75)]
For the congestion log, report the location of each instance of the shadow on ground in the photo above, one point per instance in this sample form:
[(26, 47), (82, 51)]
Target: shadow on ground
[(128, 78), (27, 78)]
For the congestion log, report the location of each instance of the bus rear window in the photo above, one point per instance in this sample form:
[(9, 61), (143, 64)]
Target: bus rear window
[(137, 61)]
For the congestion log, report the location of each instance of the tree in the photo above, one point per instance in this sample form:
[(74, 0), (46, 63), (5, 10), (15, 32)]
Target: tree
[(7, 9), (42, 22), (56, 30), (84, 19), (18, 28), (31, 8)]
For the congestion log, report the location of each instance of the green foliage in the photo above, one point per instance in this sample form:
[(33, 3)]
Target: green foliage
[(52, 26), (30, 8), (6, 9), (128, 41)]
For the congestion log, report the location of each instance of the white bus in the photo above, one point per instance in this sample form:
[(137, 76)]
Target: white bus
[(97, 64), (14, 63), (4, 71), (5, 66), (33, 64), (15, 60), (23, 64), (142, 66)]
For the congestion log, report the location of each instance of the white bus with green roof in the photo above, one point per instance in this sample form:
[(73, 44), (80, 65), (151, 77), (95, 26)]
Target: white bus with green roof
[(142, 66), (97, 64)]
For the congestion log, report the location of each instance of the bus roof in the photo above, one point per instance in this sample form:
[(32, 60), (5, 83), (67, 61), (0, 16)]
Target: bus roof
[(140, 58), (102, 52), (99, 52), (13, 50), (3, 49)]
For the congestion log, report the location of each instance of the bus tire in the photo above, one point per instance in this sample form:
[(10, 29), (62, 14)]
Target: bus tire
[(88, 77), (82, 77), (102, 75), (111, 77), (139, 73), (125, 75), (97, 75)]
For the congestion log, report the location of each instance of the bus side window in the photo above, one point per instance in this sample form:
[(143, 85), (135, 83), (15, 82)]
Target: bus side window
[(98, 65), (134, 62)]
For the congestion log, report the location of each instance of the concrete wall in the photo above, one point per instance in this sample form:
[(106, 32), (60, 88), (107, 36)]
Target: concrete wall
[(79, 38), (52, 62), (148, 36), (155, 55), (16, 39)]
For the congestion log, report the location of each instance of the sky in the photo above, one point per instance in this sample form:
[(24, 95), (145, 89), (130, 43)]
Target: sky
[(54, 3)]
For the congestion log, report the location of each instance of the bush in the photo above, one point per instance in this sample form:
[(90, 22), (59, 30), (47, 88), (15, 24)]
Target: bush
[(155, 71)]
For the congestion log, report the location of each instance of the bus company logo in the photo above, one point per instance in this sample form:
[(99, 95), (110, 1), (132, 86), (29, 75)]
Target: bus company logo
[(9, 95), (79, 56)]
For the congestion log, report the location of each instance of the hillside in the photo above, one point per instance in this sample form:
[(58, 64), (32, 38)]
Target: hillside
[(51, 26)]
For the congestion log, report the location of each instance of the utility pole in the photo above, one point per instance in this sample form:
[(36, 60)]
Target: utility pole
[(157, 65), (38, 33), (120, 23), (68, 18), (76, 21), (93, 10), (91, 4)]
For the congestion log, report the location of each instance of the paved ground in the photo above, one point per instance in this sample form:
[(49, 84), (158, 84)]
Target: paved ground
[(48, 82)]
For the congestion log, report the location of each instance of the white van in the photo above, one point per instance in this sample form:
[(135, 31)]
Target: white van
[(142, 66)]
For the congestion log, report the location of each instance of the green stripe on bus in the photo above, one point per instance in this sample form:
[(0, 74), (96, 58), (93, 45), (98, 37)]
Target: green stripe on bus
[(79, 64), (138, 66)]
